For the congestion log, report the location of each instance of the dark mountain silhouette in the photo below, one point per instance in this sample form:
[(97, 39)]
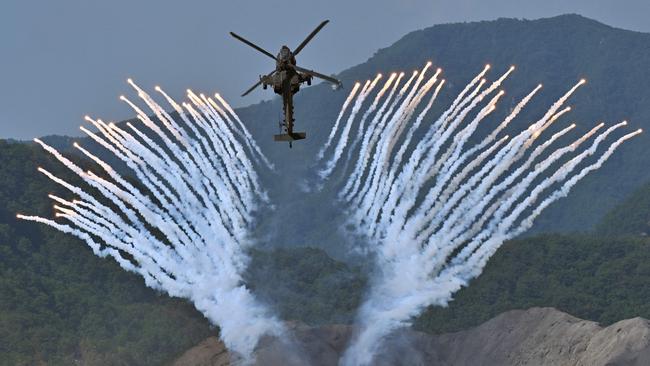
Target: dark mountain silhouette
[(60, 304), (556, 52)]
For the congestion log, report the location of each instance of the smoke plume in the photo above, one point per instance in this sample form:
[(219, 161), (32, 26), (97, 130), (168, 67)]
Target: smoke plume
[(185, 230), (434, 210)]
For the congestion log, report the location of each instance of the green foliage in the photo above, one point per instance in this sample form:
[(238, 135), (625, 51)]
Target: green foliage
[(60, 304), (591, 277), (632, 216), (307, 285)]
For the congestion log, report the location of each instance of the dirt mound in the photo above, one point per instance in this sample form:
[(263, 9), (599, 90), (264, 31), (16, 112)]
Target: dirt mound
[(537, 336)]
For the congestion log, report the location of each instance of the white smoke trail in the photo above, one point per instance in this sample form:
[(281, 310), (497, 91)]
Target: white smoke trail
[(369, 111), (438, 208), (477, 161), (379, 123), (338, 151), (187, 229), (353, 182), (347, 102), (248, 138), (391, 139), (388, 126)]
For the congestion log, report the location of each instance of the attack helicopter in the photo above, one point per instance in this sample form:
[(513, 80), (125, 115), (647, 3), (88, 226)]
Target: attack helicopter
[(286, 80)]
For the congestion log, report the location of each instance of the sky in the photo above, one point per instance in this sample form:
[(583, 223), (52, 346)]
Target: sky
[(61, 60)]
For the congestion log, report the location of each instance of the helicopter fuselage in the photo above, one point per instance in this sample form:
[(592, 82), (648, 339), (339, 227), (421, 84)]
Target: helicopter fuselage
[(286, 80)]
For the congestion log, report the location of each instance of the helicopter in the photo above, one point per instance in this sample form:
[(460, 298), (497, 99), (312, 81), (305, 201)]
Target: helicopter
[(286, 80)]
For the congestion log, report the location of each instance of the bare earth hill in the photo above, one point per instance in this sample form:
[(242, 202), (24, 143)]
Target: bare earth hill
[(537, 336)]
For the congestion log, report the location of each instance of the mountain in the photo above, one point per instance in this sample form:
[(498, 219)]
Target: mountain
[(630, 217), (59, 304), (537, 336), (62, 305), (555, 51), (603, 279)]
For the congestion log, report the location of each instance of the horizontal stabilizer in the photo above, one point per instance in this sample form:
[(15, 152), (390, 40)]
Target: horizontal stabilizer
[(290, 137)]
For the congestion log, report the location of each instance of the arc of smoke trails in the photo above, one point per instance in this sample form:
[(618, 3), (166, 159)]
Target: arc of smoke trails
[(456, 180), (566, 188), (440, 252), (435, 136), (494, 168), (347, 102), (407, 140), (434, 219), (370, 110), (384, 182), (247, 137), (479, 259), (390, 133), (200, 193), (378, 201), (377, 132), (368, 142), (475, 202), (448, 169), (365, 91)]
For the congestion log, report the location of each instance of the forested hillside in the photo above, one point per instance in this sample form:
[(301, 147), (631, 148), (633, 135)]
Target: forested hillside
[(59, 303), (631, 217), (595, 278)]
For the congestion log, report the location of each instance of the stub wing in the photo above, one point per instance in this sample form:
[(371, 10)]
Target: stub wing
[(330, 79), (290, 137)]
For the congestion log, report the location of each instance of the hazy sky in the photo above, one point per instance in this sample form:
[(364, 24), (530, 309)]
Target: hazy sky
[(60, 60)]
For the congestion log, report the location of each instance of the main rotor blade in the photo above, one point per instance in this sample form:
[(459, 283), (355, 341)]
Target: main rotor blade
[(318, 75), (256, 84), (252, 45), (252, 88), (309, 37)]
